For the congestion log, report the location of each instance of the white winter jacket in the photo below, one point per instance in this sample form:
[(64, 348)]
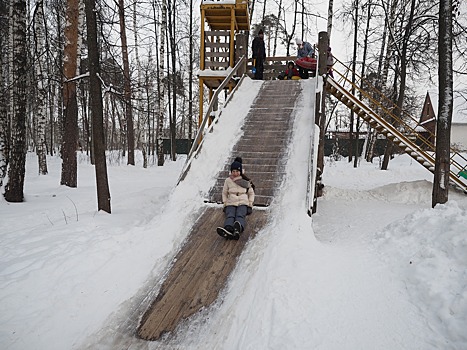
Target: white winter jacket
[(237, 191)]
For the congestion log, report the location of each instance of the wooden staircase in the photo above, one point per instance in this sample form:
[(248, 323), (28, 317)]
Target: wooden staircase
[(398, 126)]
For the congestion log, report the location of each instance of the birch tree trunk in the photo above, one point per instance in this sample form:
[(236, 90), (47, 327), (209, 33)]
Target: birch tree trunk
[(445, 106), (155, 139), (330, 16), (190, 77), (276, 29), (160, 122), (354, 64), (17, 159), (70, 105), (127, 86), (303, 20), (41, 95), (173, 56), (294, 26), (98, 137), (142, 137), (4, 125), (56, 90)]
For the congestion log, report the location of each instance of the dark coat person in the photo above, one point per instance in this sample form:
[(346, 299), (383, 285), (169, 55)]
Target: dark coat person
[(259, 54)]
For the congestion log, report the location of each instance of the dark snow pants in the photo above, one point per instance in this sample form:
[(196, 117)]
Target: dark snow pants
[(232, 214), (259, 66)]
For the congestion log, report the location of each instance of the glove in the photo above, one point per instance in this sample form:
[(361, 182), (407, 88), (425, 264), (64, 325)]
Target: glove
[(249, 210)]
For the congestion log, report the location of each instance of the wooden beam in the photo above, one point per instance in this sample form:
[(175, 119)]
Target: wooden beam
[(232, 38), (201, 97), (209, 64), (201, 63), (217, 54)]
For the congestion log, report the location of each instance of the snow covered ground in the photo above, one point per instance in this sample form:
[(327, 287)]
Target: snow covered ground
[(375, 268)]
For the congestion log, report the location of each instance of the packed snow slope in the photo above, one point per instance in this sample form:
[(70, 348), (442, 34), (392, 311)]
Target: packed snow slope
[(375, 268)]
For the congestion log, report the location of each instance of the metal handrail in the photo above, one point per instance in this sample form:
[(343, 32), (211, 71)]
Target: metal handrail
[(202, 130)]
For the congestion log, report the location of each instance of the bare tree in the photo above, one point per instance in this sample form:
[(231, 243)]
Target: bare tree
[(103, 193), (294, 26), (277, 26), (173, 80), (252, 8), (352, 147), (41, 81), (160, 121), (190, 75), (18, 101), (127, 85), (70, 104), (4, 124), (370, 7), (403, 78), (445, 105), (330, 16), (55, 76), (411, 43)]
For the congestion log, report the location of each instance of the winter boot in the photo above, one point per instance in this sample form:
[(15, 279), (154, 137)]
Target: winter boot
[(225, 232), (237, 230)]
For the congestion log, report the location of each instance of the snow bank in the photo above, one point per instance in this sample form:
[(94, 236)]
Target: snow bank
[(430, 255)]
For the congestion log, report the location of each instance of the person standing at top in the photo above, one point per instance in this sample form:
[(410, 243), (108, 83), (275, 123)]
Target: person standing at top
[(259, 54), (238, 196), (304, 49)]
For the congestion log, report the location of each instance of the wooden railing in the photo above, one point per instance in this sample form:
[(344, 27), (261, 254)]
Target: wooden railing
[(205, 127), (386, 117), (273, 66)]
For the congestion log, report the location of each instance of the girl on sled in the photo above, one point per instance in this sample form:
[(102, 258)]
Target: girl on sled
[(238, 196)]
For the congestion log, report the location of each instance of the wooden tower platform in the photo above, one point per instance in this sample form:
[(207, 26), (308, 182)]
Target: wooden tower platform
[(224, 33)]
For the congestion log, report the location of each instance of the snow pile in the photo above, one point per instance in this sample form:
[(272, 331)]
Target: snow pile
[(428, 249)]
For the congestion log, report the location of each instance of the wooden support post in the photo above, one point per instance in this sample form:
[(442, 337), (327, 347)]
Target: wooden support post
[(214, 109), (203, 47), (241, 45), (201, 67), (323, 43), (232, 37), (201, 97)]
